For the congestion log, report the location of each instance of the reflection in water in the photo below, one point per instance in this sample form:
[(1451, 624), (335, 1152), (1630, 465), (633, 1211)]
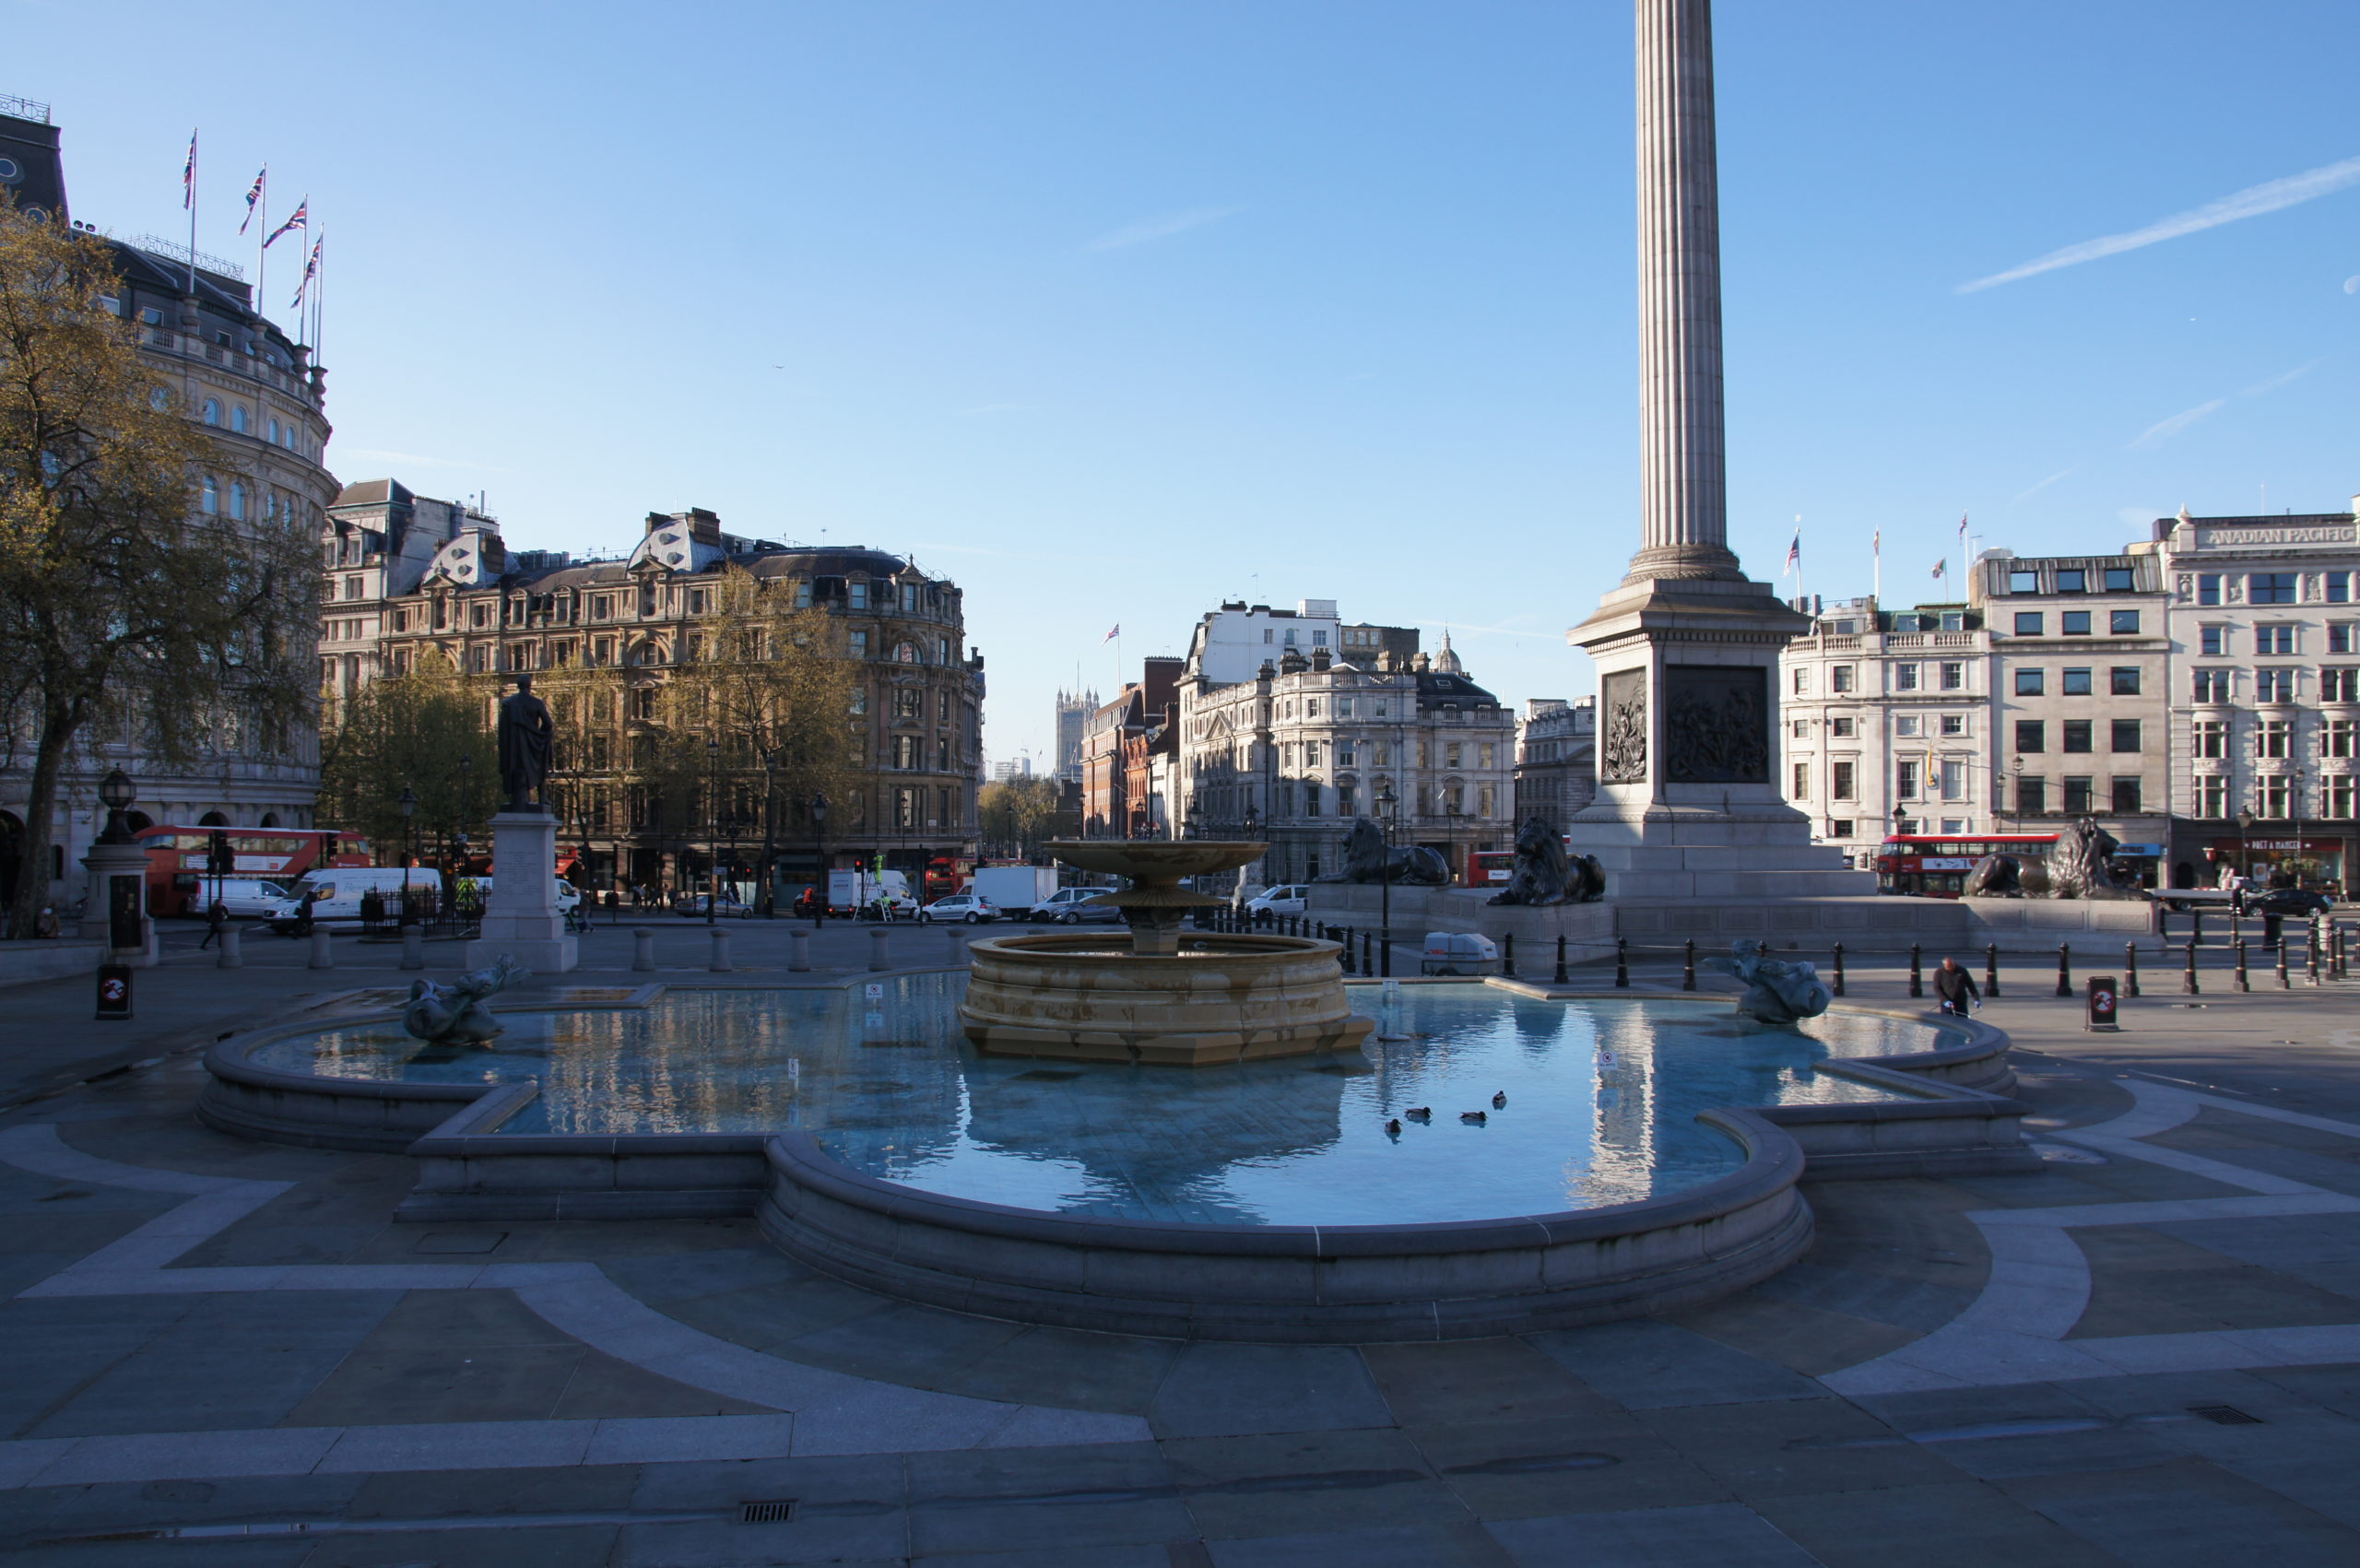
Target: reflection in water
[(1602, 1097)]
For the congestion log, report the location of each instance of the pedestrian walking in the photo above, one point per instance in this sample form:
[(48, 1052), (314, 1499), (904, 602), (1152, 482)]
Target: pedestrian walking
[(216, 920), (1954, 985)]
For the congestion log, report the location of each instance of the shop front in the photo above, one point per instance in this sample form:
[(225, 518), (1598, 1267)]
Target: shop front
[(2278, 859)]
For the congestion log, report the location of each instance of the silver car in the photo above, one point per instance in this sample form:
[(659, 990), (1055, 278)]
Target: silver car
[(1072, 906)]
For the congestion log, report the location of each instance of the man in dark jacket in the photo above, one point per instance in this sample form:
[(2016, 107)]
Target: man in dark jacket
[(1954, 985)]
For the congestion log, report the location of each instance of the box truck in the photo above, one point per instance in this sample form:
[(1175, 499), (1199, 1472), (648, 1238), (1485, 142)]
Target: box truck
[(1015, 889), (878, 894)]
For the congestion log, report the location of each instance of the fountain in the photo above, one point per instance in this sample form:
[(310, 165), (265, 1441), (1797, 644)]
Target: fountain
[(1165, 1000)]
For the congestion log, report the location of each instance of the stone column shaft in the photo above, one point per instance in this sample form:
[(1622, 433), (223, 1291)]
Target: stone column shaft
[(1684, 522)]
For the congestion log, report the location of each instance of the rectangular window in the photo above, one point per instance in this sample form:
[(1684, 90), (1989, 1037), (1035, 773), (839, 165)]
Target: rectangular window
[(1347, 800), (803, 593), (2270, 588), (2276, 684), (2122, 624), (2125, 797), (1450, 754), (1841, 827), (2117, 580), (859, 645), (2072, 580), (2030, 623), (2208, 588), (2340, 639), (2078, 796), (2122, 735), (1799, 788), (2336, 738), (1801, 682), (2032, 796), (1845, 726), (1843, 778), (1343, 753), (2209, 737), (1489, 756), (1486, 801), (1343, 707), (2077, 735), (1904, 677), (1954, 677), (2212, 796), (2032, 736), (1311, 753), (2122, 680), (2274, 637), (2271, 737), (2212, 686), (2075, 623), (1953, 779), (856, 596), (2030, 682), (1953, 723), (2339, 684), (2024, 582), (2212, 642), (2335, 797), (2075, 683), (1843, 678), (1905, 780), (2270, 797), (1312, 797), (1799, 728), (1906, 724), (2339, 586)]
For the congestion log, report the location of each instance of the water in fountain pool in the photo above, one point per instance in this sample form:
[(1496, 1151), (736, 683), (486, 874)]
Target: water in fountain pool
[(1602, 1097)]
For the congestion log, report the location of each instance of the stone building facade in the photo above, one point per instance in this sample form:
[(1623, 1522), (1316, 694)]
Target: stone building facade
[(1306, 745), (405, 573), (262, 403), (1556, 757)]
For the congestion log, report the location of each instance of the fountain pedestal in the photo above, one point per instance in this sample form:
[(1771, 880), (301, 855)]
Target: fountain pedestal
[(1166, 999)]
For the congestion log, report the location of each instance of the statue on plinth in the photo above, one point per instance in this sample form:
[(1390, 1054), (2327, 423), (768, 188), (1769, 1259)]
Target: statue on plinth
[(1777, 991), (1546, 873), (1366, 859), (526, 734)]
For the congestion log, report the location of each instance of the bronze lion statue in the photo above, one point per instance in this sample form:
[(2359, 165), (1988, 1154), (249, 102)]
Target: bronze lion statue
[(1367, 860), (1546, 873)]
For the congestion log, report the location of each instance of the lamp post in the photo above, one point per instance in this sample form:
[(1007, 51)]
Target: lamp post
[(713, 843), (769, 836), (2244, 844), (820, 854), (466, 779), (116, 794), (1389, 802), (407, 805)]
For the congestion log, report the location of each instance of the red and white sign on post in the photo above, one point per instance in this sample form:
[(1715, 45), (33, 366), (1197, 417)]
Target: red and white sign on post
[(2103, 1000)]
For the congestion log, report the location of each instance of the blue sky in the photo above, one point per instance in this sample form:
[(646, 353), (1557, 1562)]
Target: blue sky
[(1110, 312)]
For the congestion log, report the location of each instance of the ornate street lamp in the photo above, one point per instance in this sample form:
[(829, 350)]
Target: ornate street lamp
[(713, 844), (1389, 802), (116, 794), (407, 805), (2245, 847), (820, 853), (769, 836)]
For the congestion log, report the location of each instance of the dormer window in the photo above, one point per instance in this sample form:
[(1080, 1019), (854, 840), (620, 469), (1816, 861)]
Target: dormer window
[(857, 593)]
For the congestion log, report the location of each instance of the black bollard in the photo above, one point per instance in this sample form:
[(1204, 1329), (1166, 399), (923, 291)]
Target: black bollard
[(1368, 953), (1688, 972), (1346, 933), (2243, 983), (1839, 969), (2064, 969), (1990, 972), (2284, 983), (1507, 955), (2130, 968), (2196, 928), (2311, 954), (1622, 964), (1560, 977), (1916, 976), (2188, 982)]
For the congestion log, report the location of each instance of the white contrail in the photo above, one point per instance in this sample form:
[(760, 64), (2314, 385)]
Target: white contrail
[(1162, 226), (2164, 429), (2251, 202)]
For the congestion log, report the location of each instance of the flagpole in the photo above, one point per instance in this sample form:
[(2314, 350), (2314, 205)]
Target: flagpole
[(262, 247), (1876, 567), (319, 289), (192, 211)]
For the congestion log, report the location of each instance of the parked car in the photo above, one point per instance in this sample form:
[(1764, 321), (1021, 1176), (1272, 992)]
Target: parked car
[(246, 898), (1072, 906), (2297, 901), (1287, 898), (969, 907), (726, 906)]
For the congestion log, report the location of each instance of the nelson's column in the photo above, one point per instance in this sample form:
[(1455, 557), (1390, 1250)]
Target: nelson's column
[(1687, 804)]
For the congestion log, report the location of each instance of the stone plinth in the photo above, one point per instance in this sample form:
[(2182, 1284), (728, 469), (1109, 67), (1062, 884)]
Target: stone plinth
[(521, 918), (115, 911), (1221, 999)]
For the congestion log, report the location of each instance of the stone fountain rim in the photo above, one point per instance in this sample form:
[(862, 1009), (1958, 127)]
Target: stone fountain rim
[(1064, 947)]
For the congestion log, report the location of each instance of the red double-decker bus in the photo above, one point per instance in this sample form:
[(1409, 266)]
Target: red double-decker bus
[(178, 859), (1934, 865)]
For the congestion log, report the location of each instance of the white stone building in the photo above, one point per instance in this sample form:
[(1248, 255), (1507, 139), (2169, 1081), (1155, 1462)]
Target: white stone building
[(1556, 757)]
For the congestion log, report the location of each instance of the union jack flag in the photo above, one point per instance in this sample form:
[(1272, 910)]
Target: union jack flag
[(311, 270), (188, 174), (254, 196), (300, 219), (1112, 635)]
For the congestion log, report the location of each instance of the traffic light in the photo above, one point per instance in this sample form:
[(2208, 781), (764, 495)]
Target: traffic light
[(219, 859)]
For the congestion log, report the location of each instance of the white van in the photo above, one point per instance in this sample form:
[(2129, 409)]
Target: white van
[(335, 895), (569, 896), (246, 898)]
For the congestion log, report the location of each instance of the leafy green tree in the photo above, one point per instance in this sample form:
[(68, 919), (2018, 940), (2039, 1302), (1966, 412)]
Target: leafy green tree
[(125, 611), (411, 731), (1017, 814)]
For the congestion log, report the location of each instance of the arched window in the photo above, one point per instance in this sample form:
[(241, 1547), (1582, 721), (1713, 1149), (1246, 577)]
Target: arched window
[(159, 399), (274, 433), (237, 417), (269, 820), (905, 652), (213, 819), (212, 411), (209, 498), (237, 501)]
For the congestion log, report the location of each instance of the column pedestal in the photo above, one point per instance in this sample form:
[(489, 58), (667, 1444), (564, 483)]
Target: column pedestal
[(115, 911), (521, 917)]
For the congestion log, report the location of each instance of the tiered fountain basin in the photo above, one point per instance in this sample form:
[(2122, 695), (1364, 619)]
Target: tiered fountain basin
[(1648, 1155), (1219, 1000)]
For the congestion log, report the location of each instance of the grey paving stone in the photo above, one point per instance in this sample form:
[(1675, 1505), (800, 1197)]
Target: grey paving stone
[(1131, 1554), (247, 1553), (1477, 1380), (454, 1494), (1952, 1525), (546, 1546), (1296, 1482), (1515, 1469), (2143, 1281), (724, 1543), (2322, 1250), (673, 1279), (762, 1317), (603, 1385), (1403, 1546), (462, 1383), (914, 1346), (53, 1347), (851, 1486), (1923, 1305), (1221, 1389), (2335, 1388), (1022, 1499), (435, 1318), (197, 1502), (1780, 1447), (1069, 1368), (2186, 1515), (1718, 1535), (1649, 1365)]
